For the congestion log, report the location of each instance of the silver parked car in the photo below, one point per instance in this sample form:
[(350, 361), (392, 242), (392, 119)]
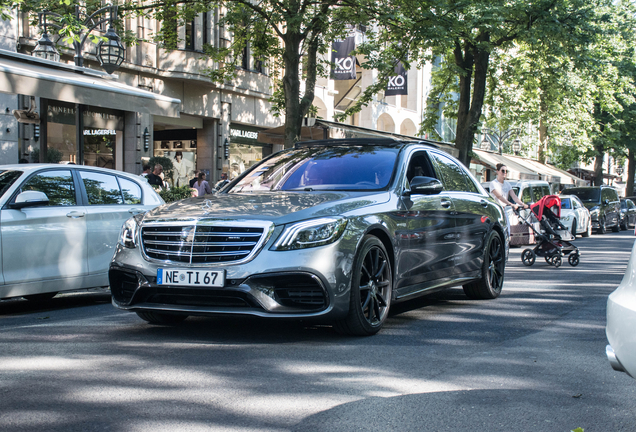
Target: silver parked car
[(334, 230), (59, 225), (621, 321)]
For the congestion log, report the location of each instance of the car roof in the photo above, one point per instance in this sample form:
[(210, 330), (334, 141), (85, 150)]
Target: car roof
[(28, 168), (356, 142)]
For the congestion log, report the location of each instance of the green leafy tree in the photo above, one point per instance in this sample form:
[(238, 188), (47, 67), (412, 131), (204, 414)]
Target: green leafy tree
[(462, 36)]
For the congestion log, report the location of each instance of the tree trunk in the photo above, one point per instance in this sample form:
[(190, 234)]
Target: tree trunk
[(543, 130), (629, 187), (291, 86), (468, 118), (598, 164)]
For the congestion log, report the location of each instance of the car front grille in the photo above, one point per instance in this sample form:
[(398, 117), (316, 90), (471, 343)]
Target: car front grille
[(200, 243)]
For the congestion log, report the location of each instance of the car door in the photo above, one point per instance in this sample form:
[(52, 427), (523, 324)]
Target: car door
[(425, 232), (45, 243), (110, 201), (470, 206)]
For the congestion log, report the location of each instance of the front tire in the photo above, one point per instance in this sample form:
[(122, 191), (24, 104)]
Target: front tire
[(589, 230), (574, 228), (161, 317), (492, 275), (371, 290), (601, 226)]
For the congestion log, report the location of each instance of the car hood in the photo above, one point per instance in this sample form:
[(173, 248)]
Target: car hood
[(278, 207)]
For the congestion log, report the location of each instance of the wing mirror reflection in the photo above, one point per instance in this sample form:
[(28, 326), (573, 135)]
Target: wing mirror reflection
[(30, 199), (425, 186)]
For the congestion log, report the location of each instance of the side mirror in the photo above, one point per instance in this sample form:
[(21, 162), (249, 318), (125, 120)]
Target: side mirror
[(30, 199), (425, 186), (606, 202)]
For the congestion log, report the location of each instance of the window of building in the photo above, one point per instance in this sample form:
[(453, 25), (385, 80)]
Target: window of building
[(190, 35)]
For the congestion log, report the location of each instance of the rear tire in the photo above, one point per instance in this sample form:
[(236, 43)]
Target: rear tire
[(492, 274), (161, 317), (371, 290)]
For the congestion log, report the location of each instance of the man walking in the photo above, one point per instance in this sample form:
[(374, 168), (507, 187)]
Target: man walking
[(154, 178)]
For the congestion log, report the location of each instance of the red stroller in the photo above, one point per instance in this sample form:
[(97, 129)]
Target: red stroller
[(553, 242)]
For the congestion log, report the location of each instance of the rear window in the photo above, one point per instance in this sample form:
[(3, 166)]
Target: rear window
[(586, 194)]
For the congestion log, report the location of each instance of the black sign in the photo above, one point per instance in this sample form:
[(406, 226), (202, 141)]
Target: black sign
[(398, 84), (344, 64)]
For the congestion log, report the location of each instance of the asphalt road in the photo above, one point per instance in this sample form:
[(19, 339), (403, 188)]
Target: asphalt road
[(532, 360)]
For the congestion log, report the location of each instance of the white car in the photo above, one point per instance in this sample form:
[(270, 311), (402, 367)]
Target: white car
[(59, 225), (621, 321), (575, 216)]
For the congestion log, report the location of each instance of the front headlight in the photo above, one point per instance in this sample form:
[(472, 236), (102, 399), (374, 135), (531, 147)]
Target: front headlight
[(311, 233), (128, 235)]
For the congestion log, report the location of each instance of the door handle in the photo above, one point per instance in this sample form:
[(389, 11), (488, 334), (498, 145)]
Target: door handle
[(484, 203), (446, 203), (75, 214), (136, 211)]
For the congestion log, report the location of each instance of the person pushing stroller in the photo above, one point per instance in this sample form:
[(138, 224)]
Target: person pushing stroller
[(501, 190)]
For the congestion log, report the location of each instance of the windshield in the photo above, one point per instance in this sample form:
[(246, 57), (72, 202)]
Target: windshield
[(7, 178), (587, 194), (565, 203), (322, 168)]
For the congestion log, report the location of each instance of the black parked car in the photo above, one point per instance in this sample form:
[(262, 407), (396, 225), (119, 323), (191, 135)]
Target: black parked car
[(334, 230), (603, 204), (628, 213)]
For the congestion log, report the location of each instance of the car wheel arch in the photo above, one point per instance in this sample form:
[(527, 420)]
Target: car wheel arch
[(385, 238)]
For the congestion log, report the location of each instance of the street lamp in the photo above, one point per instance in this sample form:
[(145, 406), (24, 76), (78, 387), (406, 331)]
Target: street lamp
[(501, 136), (45, 48), (110, 52), (516, 146), (485, 144), (619, 170)]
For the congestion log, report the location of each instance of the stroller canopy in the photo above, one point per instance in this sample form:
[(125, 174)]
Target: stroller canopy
[(551, 202)]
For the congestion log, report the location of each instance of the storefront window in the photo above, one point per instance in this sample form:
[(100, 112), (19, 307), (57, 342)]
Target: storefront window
[(183, 156), (102, 135), (244, 150)]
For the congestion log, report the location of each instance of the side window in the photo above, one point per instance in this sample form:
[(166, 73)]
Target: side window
[(546, 190), (526, 197), (630, 204), (101, 188), (57, 185), (130, 190), (419, 166), (453, 175)]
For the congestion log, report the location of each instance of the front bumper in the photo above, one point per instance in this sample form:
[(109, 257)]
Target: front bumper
[(306, 283)]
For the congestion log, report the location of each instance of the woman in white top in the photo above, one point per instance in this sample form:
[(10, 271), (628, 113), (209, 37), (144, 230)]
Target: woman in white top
[(502, 190)]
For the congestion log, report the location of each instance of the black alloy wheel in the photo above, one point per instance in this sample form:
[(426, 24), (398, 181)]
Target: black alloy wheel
[(555, 260), (371, 290), (492, 278), (528, 257)]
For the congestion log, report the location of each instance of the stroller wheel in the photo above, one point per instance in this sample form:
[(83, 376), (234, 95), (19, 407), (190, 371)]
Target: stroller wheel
[(556, 260), (527, 257), (574, 259)]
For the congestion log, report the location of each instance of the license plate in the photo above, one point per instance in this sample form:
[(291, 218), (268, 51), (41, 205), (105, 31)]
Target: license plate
[(191, 277)]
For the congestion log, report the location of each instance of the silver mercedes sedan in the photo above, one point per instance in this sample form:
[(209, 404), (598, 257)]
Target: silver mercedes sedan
[(59, 225), (334, 230)]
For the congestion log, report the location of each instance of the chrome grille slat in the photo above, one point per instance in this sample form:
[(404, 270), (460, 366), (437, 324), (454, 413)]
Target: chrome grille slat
[(200, 243), (197, 244)]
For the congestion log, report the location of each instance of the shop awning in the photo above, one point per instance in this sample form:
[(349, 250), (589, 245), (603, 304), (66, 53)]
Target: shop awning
[(516, 170), (26, 75), (548, 172), (323, 129)]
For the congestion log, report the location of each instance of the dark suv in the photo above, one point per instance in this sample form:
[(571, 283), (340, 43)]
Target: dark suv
[(334, 230), (603, 204)]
